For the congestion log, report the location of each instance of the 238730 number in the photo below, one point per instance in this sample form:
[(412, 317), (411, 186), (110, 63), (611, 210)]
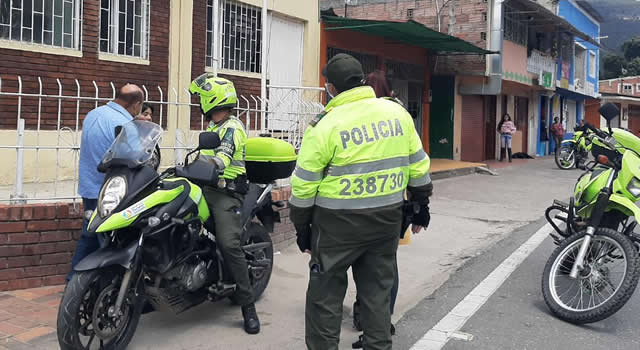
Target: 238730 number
[(370, 184)]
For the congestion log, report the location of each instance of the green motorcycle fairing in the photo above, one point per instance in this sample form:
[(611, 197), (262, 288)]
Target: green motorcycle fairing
[(129, 215), (196, 196), (582, 142), (589, 186)]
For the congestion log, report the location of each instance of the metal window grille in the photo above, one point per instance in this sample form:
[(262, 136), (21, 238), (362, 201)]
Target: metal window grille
[(124, 27), (240, 36), (515, 27), (483, 35), (368, 61), (409, 13), (55, 23)]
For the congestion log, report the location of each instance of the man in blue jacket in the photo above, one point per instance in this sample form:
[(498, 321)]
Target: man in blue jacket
[(98, 133)]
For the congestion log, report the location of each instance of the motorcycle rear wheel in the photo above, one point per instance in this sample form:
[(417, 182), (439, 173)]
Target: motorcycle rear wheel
[(87, 292), (594, 283)]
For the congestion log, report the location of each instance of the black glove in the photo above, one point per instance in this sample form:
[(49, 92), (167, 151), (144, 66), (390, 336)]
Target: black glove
[(423, 217), (303, 240)]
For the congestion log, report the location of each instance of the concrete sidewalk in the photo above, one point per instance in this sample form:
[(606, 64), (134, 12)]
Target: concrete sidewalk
[(469, 214)]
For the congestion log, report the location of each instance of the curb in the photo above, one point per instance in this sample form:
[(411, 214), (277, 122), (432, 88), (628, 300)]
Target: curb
[(445, 174)]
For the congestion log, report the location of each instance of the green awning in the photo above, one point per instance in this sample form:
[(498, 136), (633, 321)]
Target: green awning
[(411, 33)]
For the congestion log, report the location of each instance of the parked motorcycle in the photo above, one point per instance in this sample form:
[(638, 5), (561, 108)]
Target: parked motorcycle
[(595, 268), (161, 251), (574, 152)]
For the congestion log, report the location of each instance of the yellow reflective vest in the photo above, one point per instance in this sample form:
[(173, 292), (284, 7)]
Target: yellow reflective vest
[(231, 151), (362, 154)]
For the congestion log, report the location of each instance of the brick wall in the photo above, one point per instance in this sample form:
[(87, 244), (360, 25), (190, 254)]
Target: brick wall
[(31, 65), (615, 86), (467, 23), (37, 241), (245, 86), (36, 244)]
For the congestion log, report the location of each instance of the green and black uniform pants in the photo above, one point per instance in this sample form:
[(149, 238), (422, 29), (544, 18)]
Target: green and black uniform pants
[(365, 241), (226, 210)]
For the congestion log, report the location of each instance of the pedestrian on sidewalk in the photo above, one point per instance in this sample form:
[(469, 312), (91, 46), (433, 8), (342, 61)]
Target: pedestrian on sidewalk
[(506, 128), (557, 130), (380, 84), (98, 133), (356, 160)]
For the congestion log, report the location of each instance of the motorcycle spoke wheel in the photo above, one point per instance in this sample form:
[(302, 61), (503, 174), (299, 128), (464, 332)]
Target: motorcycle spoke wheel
[(565, 158), (605, 267)]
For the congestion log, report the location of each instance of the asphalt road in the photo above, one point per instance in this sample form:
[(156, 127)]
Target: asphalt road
[(515, 316)]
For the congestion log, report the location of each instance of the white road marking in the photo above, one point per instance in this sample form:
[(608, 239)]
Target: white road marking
[(449, 325)]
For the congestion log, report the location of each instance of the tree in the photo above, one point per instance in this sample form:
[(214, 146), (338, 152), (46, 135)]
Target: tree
[(631, 48), (611, 66), (633, 68)]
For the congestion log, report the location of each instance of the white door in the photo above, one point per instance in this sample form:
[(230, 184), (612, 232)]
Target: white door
[(570, 113), (284, 68)]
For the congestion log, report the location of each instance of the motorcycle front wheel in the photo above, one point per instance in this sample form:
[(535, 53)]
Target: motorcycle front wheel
[(608, 280), (83, 317), (565, 157)]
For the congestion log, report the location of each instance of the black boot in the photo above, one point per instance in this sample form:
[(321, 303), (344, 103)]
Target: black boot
[(358, 344), (509, 153), (502, 151), (251, 321)]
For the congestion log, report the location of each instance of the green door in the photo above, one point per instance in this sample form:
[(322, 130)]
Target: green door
[(441, 117)]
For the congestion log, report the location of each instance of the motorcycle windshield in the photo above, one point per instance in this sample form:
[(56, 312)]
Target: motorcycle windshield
[(134, 145)]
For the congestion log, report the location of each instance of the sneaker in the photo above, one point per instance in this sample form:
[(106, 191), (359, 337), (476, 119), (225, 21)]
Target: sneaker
[(251, 321)]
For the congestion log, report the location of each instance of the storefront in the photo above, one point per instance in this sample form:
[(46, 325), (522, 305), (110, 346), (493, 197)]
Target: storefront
[(402, 50)]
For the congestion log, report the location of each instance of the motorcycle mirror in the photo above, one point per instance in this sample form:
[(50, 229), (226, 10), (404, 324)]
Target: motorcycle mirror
[(609, 111), (208, 140)]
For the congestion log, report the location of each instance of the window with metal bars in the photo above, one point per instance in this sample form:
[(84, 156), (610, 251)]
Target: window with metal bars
[(55, 23), (240, 38), (367, 61), (515, 26), (124, 27)]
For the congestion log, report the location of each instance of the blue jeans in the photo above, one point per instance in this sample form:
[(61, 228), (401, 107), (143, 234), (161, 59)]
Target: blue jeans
[(505, 140), (88, 242)]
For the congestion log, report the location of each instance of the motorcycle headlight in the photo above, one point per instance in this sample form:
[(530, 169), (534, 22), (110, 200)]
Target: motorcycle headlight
[(634, 187), (112, 193)]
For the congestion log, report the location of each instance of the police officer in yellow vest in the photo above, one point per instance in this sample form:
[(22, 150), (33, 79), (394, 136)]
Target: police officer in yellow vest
[(356, 160), (217, 100)]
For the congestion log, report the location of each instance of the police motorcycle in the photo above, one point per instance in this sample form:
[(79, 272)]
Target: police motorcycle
[(575, 151), (160, 248), (595, 268)]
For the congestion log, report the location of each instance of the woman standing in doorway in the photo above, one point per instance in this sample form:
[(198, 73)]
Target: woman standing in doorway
[(506, 128)]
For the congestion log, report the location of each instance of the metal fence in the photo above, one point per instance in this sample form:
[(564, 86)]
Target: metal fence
[(41, 124)]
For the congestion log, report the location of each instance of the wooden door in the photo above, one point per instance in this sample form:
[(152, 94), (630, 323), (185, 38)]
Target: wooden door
[(473, 129)]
